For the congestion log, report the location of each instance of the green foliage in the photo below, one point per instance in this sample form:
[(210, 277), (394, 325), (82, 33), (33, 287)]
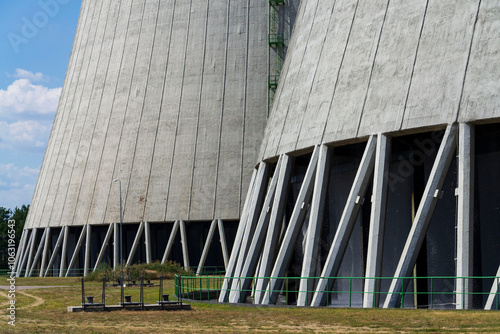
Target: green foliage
[(103, 270), (19, 216), (150, 271)]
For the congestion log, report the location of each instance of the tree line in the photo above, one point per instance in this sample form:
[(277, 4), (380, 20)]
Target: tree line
[(19, 216)]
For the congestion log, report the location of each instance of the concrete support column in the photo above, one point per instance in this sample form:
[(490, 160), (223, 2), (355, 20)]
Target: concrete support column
[(493, 291), (206, 248), (26, 252), (313, 237), (32, 249), (62, 267), (346, 224), (465, 215), (185, 250), (223, 243), (147, 241), (44, 253), (292, 231), (38, 253), (170, 242), (56, 250), (104, 246), (423, 215), (239, 288), (271, 243), (377, 221), (77, 249), (253, 217), (86, 266), (20, 250), (255, 183), (135, 244)]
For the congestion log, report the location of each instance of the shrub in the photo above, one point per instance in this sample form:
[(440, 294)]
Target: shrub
[(150, 271)]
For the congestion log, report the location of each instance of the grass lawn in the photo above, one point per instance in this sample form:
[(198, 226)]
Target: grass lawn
[(45, 311)]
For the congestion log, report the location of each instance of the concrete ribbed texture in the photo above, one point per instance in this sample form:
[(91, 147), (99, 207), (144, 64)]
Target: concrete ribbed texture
[(170, 97), (356, 68)]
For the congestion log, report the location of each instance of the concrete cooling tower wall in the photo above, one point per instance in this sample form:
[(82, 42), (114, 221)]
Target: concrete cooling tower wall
[(380, 159), (169, 99)]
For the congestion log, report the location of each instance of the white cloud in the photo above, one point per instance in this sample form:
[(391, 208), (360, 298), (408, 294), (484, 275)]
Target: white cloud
[(26, 114), (24, 98), (17, 174), (16, 185), (16, 197), (24, 135), (24, 74)]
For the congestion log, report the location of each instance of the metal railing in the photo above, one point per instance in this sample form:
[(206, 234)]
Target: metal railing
[(209, 270), (348, 291)]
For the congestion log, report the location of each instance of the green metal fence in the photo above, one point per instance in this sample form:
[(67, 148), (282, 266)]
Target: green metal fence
[(349, 288), (210, 270), (207, 270)]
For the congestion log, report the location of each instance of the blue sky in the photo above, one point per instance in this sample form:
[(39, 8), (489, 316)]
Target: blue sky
[(36, 37)]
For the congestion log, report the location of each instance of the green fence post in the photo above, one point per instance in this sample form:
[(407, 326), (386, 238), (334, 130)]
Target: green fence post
[(375, 294), (463, 293)]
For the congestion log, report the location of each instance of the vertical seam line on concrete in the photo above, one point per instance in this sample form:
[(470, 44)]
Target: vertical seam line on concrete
[(373, 66), (112, 102), (85, 120), (199, 111), (315, 71), (468, 59), (99, 108), (100, 101), (126, 112), (142, 109), (77, 112), (222, 109), (179, 109), (243, 132), (67, 115), (313, 19), (56, 124), (339, 70), (298, 72), (414, 64), (161, 101)]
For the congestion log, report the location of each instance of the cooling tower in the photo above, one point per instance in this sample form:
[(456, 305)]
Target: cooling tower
[(380, 161), (169, 99)]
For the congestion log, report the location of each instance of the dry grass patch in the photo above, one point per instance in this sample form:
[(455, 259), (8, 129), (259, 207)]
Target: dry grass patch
[(45, 311)]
